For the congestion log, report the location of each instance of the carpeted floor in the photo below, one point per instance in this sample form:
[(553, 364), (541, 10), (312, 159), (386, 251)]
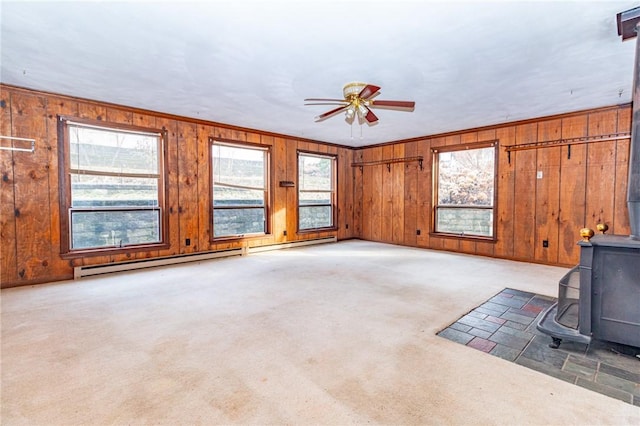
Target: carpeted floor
[(333, 334), (505, 326)]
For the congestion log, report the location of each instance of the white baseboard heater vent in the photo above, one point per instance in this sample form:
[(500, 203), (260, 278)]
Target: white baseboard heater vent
[(292, 244), (128, 265)]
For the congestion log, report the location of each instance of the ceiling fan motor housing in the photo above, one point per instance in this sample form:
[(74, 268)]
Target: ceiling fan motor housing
[(352, 90)]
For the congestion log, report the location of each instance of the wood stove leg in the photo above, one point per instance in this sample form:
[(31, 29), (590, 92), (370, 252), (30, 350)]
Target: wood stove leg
[(556, 343)]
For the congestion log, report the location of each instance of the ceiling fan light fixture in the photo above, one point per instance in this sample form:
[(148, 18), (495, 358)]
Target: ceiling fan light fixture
[(351, 90), (350, 113)]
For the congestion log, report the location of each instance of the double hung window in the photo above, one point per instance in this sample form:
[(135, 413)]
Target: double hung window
[(112, 185), (316, 191), (464, 190), (240, 189)]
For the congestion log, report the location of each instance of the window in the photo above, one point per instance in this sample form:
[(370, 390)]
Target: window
[(316, 191), (112, 187), (240, 189), (464, 190)]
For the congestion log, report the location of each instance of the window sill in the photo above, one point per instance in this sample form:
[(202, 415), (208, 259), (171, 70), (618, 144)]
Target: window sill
[(316, 230), (75, 254), (233, 238), (465, 237)]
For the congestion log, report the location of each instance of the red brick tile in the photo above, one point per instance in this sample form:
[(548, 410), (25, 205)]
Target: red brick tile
[(481, 344), (495, 320), (532, 308)]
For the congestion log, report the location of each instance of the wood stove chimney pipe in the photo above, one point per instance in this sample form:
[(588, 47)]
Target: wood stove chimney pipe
[(628, 27)]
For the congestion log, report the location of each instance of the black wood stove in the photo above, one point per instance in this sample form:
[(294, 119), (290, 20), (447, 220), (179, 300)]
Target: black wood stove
[(600, 298)]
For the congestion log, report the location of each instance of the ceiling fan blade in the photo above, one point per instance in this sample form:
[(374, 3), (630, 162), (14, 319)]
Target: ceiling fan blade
[(397, 104), (370, 117), (368, 91), (325, 99), (332, 112), (325, 103)]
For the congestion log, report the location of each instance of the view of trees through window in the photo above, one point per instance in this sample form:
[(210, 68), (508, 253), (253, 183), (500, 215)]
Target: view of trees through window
[(315, 191), (240, 190), (465, 191), (115, 187)]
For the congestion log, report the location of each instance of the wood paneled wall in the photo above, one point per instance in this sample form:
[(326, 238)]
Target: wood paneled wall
[(29, 193), (374, 203), (585, 189)]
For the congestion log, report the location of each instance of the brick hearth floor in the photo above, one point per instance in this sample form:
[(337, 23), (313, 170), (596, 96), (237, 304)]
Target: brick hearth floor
[(505, 326)]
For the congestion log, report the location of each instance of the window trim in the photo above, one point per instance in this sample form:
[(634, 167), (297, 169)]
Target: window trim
[(435, 151), (268, 196), (334, 192), (64, 182)]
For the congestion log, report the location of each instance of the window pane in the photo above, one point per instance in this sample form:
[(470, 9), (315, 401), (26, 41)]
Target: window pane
[(239, 166), (117, 228), (229, 222), (315, 173), (315, 217), (224, 196), (306, 198), (111, 191), (465, 221), (466, 177), (113, 151)]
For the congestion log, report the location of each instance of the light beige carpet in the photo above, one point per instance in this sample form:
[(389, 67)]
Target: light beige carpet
[(334, 334)]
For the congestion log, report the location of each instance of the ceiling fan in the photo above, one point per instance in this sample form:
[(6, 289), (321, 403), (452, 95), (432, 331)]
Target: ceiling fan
[(358, 101)]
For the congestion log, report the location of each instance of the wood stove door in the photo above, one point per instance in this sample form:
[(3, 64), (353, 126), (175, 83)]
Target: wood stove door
[(616, 295)]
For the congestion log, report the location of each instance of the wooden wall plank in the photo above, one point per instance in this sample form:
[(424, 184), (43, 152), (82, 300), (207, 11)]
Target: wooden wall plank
[(279, 168), (376, 205), (171, 205), (345, 194), (291, 207), (188, 187), (366, 181), (117, 115), (8, 261), (621, 211), (547, 202), (397, 200), (572, 190), (525, 189), (205, 187), (505, 210), (59, 268), (31, 177), (358, 195), (411, 171), (424, 193), (600, 162), (386, 196)]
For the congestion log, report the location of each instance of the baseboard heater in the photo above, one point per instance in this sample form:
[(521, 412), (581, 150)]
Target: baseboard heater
[(128, 265), (278, 246)]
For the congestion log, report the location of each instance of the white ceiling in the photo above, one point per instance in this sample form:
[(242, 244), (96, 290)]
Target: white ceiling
[(251, 63)]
